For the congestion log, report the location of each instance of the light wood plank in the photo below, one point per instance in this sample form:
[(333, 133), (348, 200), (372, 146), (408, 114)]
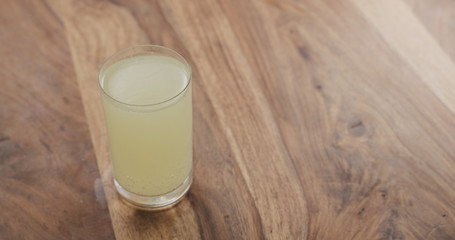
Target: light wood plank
[(408, 37)]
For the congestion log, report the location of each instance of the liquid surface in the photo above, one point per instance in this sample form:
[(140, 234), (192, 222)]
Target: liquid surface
[(151, 149), (143, 80)]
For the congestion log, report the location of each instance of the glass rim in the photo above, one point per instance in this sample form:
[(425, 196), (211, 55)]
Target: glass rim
[(144, 46)]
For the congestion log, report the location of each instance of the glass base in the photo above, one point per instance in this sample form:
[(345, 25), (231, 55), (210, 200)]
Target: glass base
[(153, 203)]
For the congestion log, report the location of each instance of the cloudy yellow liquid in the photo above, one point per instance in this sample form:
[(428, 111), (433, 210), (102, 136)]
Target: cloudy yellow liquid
[(151, 145)]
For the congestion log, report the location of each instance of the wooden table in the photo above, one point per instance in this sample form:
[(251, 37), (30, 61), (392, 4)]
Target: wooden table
[(312, 119)]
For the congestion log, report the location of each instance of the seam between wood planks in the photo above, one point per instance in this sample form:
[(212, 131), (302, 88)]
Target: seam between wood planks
[(406, 35)]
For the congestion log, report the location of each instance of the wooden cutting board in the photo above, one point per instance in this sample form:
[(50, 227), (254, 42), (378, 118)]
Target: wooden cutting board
[(312, 119)]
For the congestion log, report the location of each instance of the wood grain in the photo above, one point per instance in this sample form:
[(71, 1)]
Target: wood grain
[(361, 144), (49, 181), (312, 119)]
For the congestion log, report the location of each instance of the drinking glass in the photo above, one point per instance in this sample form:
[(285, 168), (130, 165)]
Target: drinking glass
[(146, 95)]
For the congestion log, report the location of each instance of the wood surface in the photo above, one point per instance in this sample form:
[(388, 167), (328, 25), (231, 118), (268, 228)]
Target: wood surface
[(50, 186), (312, 119)]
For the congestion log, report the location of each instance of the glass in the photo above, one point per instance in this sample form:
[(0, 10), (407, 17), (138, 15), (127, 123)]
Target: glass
[(146, 94)]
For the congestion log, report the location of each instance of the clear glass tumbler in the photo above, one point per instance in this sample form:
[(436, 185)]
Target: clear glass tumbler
[(146, 93)]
